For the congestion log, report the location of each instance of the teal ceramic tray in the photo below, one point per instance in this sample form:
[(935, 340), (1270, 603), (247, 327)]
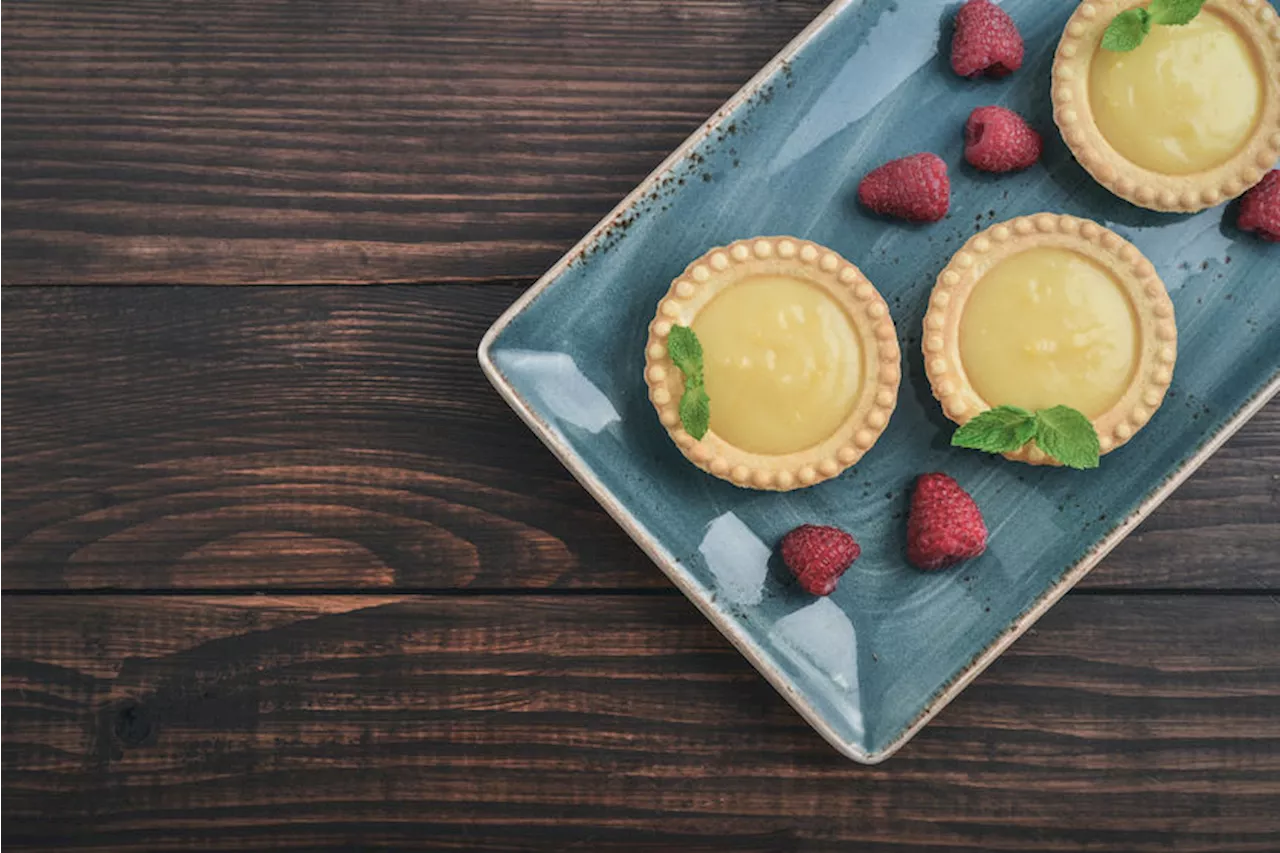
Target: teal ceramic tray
[(868, 81)]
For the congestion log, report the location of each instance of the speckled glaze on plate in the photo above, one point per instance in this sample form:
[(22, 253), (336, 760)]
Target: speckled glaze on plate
[(869, 80)]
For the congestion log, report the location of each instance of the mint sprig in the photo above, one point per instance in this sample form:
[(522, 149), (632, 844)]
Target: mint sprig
[(1128, 29), (1062, 432), (695, 405), (1174, 13), (1067, 436)]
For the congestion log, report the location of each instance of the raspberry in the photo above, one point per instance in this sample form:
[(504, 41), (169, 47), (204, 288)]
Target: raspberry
[(1000, 140), (986, 40), (914, 188), (818, 556), (1260, 208), (944, 525)]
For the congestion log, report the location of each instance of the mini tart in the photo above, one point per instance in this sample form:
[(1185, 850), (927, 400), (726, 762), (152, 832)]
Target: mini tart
[(1118, 274), (843, 295), (1250, 36)]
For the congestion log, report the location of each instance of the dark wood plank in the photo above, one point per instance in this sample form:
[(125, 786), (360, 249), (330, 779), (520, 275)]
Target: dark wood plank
[(345, 437), (347, 141), (303, 448), (1121, 723)]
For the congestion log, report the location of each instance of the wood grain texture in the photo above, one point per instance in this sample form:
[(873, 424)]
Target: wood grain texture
[(345, 438), (292, 441), (347, 141), (1138, 723)]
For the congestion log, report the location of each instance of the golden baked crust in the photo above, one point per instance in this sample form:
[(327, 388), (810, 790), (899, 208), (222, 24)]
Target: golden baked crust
[(1256, 21), (1152, 309), (868, 314)]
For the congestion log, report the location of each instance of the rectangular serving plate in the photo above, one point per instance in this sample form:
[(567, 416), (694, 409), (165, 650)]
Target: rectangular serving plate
[(868, 81)]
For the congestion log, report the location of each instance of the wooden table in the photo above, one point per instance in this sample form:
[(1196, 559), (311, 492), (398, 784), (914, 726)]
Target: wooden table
[(280, 569)]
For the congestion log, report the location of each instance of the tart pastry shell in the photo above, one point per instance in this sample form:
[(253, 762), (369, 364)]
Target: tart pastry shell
[(868, 315), (1157, 331), (1256, 21)]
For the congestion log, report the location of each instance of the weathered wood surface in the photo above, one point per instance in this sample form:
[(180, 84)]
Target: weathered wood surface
[(265, 141), (451, 646), (614, 722), (345, 438)]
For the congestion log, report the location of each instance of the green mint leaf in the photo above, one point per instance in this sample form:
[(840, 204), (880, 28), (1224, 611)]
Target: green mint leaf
[(1127, 30), (695, 405), (1174, 13), (999, 430), (1067, 436), (695, 410), (686, 353)]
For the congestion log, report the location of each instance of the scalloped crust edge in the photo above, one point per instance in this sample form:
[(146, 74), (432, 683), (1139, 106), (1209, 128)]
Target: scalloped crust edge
[(1143, 187), (1153, 311), (721, 267)]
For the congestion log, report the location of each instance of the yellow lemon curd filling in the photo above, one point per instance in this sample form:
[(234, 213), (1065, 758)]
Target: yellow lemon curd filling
[(781, 361), (1183, 101), (1049, 327)]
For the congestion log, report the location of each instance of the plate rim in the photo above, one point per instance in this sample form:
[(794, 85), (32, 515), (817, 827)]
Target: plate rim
[(670, 566)]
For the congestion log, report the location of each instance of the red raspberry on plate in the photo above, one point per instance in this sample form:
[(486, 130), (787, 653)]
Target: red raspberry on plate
[(986, 40), (944, 525), (1000, 140), (1260, 208), (818, 556), (915, 188)]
